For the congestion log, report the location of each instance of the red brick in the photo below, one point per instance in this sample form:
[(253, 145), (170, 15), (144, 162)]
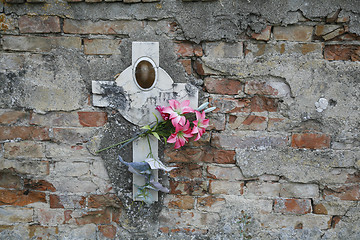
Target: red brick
[(254, 104), (26, 166), (264, 35), (67, 201), (293, 33), (331, 17), (260, 88), (189, 171), (72, 135), (107, 200), (202, 142), (40, 43), (39, 185), (198, 51), (249, 122), (256, 189), (102, 46), (116, 215), (101, 27), (173, 27), (353, 178), (182, 202), (208, 201), (108, 231), (52, 217), (213, 155), (12, 117), (193, 188), (348, 193), (226, 187), (97, 217), (225, 173), (299, 190), (230, 105), (198, 67), (292, 206), (342, 52), (328, 32), (9, 179), (185, 155), (24, 149), (263, 104), (254, 120), (184, 49), (187, 65), (92, 119), (67, 216), (82, 201), (335, 220), (228, 141), (347, 37), (43, 232), (164, 230), (275, 123), (310, 140), (39, 24), (24, 133), (62, 119), (55, 201), (20, 198), (223, 86)]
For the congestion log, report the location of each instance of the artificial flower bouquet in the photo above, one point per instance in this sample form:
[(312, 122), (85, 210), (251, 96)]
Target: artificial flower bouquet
[(178, 126), (180, 131)]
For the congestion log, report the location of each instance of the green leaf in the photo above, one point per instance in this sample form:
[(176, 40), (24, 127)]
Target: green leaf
[(156, 135), (157, 120), (146, 127)]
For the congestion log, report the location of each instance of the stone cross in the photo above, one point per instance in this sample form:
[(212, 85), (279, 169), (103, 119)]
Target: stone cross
[(144, 85)]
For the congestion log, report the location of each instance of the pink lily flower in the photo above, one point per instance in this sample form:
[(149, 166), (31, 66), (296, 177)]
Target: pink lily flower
[(181, 135), (165, 116), (177, 110), (199, 125)]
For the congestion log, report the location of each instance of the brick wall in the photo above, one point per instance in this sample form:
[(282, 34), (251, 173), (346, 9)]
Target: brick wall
[(276, 162)]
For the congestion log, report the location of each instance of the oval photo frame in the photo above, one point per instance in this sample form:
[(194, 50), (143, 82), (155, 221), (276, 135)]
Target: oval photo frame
[(145, 73)]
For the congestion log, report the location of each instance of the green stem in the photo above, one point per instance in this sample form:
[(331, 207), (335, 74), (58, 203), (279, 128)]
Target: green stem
[(123, 142), (114, 145), (150, 153)]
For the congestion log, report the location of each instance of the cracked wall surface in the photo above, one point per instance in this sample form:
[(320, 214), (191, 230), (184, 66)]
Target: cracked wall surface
[(279, 161)]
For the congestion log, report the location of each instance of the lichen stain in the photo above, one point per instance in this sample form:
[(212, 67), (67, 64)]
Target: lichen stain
[(320, 209), (306, 48), (282, 48), (3, 26), (261, 50)]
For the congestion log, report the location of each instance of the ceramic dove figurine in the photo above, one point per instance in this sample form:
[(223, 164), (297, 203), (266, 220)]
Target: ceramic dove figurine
[(139, 168), (144, 169)]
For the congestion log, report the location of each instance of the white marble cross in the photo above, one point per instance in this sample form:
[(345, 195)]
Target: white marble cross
[(144, 86)]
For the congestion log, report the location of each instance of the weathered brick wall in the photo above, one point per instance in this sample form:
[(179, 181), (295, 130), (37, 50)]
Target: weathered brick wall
[(274, 164)]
